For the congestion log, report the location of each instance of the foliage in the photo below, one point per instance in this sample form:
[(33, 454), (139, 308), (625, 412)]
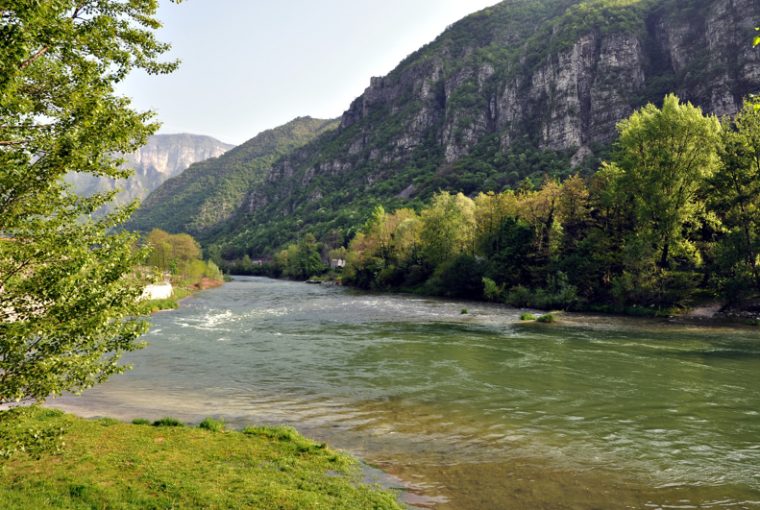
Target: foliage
[(180, 256), (208, 195), (67, 292), (527, 316), (136, 467), (734, 196), (676, 208), (546, 318), (302, 260), (18, 436)]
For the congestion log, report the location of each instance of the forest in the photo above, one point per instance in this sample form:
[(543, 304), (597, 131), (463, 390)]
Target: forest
[(671, 219)]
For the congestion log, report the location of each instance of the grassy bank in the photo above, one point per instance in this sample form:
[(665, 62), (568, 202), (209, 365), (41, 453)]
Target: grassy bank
[(109, 464)]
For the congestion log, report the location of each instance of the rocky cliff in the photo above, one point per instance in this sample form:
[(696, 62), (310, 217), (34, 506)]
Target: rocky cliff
[(522, 89), (163, 157)]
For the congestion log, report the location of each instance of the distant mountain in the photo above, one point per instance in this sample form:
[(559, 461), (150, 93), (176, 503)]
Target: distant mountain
[(203, 199), (163, 157)]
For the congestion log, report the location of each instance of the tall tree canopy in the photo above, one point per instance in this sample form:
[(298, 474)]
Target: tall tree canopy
[(67, 290)]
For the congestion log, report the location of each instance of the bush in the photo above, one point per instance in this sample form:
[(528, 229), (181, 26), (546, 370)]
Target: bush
[(167, 422), (546, 319), (492, 291), (527, 316), (140, 421), (461, 277), (212, 425), (519, 296)]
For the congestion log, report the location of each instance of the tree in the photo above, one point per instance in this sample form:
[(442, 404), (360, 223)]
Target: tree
[(448, 228), (735, 197), (67, 285), (666, 155)]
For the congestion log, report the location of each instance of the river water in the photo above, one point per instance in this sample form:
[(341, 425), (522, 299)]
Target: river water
[(467, 411)]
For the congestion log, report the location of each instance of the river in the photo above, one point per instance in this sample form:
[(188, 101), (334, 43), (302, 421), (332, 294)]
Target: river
[(467, 411)]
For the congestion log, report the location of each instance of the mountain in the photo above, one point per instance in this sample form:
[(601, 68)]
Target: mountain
[(163, 157), (521, 89), (205, 197)]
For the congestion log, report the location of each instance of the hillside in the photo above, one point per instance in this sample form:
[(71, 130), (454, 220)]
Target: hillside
[(163, 157), (202, 199), (521, 89)]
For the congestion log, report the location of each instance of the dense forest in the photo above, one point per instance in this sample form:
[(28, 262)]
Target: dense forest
[(672, 217)]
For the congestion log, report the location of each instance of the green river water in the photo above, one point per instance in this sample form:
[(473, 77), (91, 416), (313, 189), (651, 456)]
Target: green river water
[(465, 411)]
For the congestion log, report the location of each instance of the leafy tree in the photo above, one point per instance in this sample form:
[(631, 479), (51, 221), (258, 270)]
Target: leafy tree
[(735, 197), (67, 295), (301, 261), (666, 155), (448, 227)]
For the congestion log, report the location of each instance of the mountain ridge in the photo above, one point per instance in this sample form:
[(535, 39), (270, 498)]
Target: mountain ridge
[(519, 90), (207, 194)]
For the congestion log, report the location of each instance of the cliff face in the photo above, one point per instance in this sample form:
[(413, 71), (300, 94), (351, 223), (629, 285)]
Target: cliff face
[(569, 93), (163, 157), (521, 89)]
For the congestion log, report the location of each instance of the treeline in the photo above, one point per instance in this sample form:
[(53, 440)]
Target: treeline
[(674, 215), (179, 257)]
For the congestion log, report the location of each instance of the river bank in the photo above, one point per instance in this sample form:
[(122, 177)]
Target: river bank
[(103, 463), (471, 411)]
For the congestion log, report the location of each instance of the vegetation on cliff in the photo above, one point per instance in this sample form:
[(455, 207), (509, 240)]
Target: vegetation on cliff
[(673, 215), (521, 90), (205, 199)]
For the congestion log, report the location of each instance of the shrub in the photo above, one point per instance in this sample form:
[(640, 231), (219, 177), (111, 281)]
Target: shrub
[(547, 318), (492, 291), (520, 296), (212, 425), (527, 316), (140, 421), (167, 422)]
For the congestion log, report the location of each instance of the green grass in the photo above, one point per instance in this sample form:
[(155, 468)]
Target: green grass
[(212, 425), (527, 317), (114, 465)]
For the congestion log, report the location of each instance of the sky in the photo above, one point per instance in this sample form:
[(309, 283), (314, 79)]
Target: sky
[(251, 65)]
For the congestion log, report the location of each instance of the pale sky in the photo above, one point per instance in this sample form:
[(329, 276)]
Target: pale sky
[(251, 65)]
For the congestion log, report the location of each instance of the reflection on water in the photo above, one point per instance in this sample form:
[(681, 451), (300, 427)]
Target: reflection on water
[(472, 411)]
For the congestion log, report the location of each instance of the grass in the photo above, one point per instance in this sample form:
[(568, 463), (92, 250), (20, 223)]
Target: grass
[(212, 425), (527, 316), (109, 464)]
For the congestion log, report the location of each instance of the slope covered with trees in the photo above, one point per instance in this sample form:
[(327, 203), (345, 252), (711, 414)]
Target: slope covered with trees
[(519, 90), (673, 216), (208, 194)]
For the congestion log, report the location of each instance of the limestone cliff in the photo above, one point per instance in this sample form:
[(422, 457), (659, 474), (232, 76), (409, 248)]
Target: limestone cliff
[(163, 157)]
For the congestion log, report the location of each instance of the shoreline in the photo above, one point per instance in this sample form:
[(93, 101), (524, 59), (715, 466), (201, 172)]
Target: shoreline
[(719, 315)]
